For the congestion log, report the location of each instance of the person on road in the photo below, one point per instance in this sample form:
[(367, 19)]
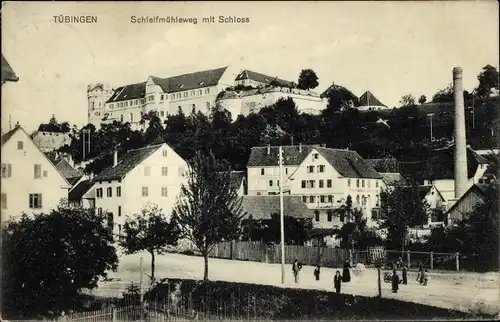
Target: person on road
[(405, 275), (296, 267), (346, 274), (337, 281), (420, 274), (316, 272), (395, 281)]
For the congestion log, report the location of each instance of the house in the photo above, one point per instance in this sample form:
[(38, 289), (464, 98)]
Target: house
[(368, 102), (152, 174), (440, 170), (82, 194), (238, 179), (193, 91), (31, 183), (254, 79), (262, 207), (465, 204), (322, 177), (8, 74), (434, 199), (391, 179)]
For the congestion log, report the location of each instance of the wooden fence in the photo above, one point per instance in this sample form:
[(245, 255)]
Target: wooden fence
[(307, 255)]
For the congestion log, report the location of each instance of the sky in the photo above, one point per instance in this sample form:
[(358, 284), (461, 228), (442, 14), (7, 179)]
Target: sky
[(389, 48)]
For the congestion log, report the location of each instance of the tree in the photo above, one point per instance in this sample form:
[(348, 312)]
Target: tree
[(407, 100), (209, 210), (340, 98), (48, 258), (149, 231), (444, 96), (488, 80), (422, 99), (307, 79)]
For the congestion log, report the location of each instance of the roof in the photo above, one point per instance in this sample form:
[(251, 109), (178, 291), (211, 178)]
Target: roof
[(261, 78), (333, 87), (190, 81), (348, 163), (127, 162), (262, 207), (438, 167), (237, 177), (128, 92), (80, 189), (9, 134), (8, 74), (368, 99), (74, 180), (67, 170), (393, 178), (480, 188)]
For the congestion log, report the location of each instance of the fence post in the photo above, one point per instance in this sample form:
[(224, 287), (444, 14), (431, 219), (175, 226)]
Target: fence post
[(457, 261), (408, 258), (350, 256), (379, 283), (432, 260), (113, 314)]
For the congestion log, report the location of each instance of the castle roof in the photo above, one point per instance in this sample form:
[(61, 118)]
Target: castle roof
[(368, 99), (261, 78), (190, 81), (128, 92)]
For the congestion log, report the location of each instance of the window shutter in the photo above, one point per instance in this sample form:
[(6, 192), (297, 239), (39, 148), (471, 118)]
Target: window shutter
[(9, 170)]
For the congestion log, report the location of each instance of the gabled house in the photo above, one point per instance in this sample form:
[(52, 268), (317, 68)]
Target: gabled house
[(68, 171), (238, 179), (254, 79), (464, 205), (434, 199), (262, 207), (152, 174), (82, 194), (31, 183), (322, 177), (8, 74), (368, 102)]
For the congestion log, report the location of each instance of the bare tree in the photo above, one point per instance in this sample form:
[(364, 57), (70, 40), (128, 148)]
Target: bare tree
[(209, 210)]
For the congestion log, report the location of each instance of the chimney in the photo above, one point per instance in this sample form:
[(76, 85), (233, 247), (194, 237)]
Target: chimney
[(115, 158), (461, 181), (300, 147), (268, 149)]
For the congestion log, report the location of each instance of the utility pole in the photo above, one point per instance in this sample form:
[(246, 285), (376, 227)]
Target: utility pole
[(430, 115), (282, 217), (141, 292)]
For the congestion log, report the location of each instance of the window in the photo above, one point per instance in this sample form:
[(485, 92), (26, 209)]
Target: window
[(131, 117), (99, 211), (119, 229), (207, 90), (363, 183), (194, 107), (357, 199), (357, 183), (286, 170), (109, 192), (118, 191), (322, 199), (3, 201), (110, 220), (310, 169), (262, 172), (164, 171), (35, 200), (208, 106), (321, 168), (193, 93), (304, 199), (311, 183), (278, 183), (165, 153), (363, 201), (321, 183), (98, 192), (119, 211), (162, 97), (316, 215), (121, 118), (270, 183), (137, 102), (20, 145), (311, 199), (181, 171), (376, 184), (368, 182), (125, 103), (185, 94), (200, 92), (151, 98), (6, 170), (329, 183), (330, 215), (145, 191), (147, 170), (315, 156), (330, 199), (164, 192), (38, 171), (303, 184)]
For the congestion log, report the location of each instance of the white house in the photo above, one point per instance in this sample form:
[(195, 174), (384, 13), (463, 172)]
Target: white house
[(323, 177), (153, 174), (434, 199), (368, 102), (31, 183)]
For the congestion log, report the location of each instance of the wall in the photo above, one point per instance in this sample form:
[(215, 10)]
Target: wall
[(97, 95), (372, 108), (49, 141), (466, 205), (131, 200), (258, 184), (51, 185)]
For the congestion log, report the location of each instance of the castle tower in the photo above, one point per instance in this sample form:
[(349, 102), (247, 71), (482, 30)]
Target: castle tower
[(461, 180), (97, 95)]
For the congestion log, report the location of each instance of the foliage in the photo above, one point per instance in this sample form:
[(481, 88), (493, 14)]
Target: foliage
[(339, 99), (402, 207), (297, 230), (488, 80), (149, 231), (307, 79), (209, 210), (48, 258), (407, 100), (54, 126), (422, 99)]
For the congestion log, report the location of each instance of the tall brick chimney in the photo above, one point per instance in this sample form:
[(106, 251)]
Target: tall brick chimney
[(461, 180)]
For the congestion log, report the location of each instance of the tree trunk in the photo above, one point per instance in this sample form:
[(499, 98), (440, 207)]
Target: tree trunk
[(152, 265), (205, 274)]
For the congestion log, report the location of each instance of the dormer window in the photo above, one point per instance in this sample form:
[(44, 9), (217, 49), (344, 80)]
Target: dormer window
[(181, 86), (201, 83)]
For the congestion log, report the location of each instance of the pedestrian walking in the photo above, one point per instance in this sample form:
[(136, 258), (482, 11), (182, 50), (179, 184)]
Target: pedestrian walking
[(405, 275), (420, 274), (316, 272), (337, 281), (395, 281), (296, 267), (346, 274)]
